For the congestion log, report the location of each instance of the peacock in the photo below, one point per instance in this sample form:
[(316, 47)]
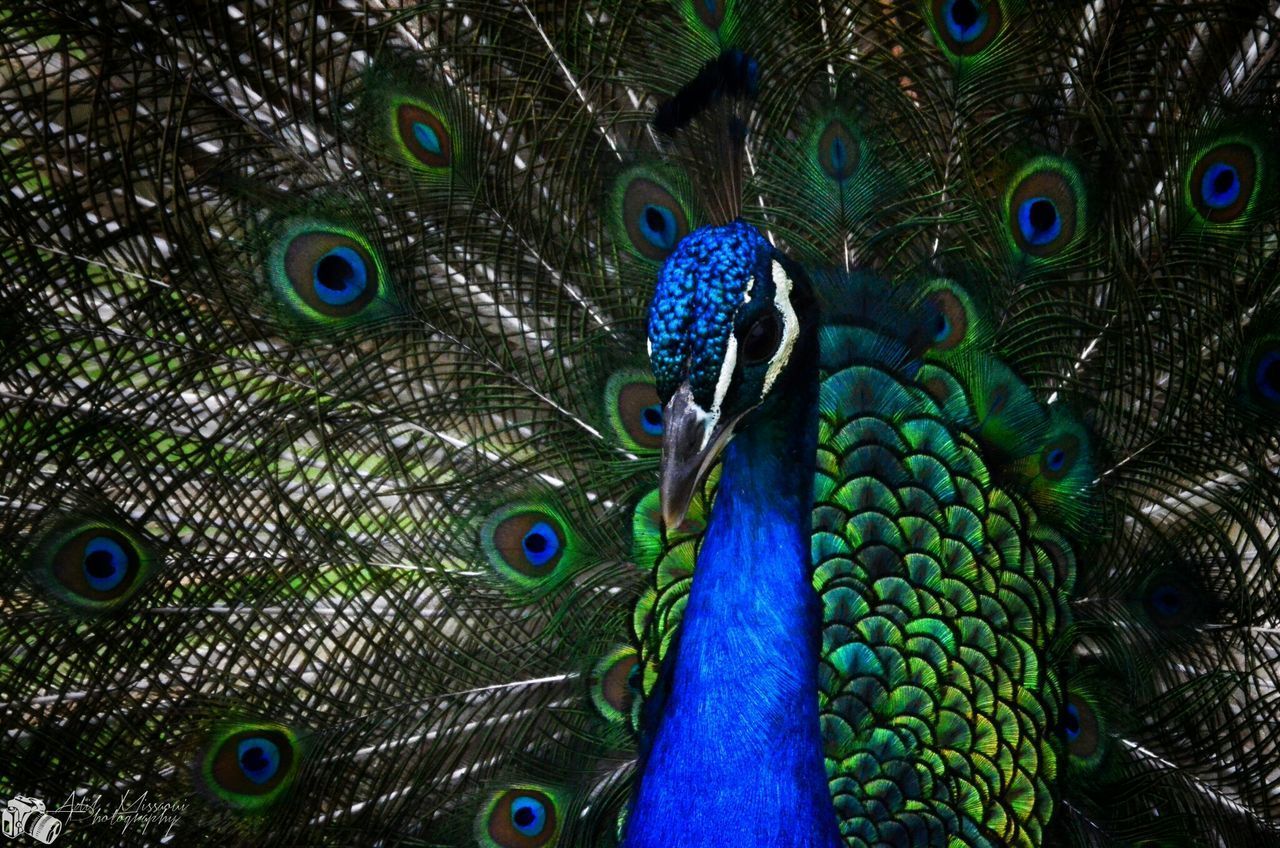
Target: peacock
[(641, 423)]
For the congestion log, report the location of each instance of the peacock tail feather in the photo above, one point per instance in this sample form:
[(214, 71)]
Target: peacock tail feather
[(333, 409)]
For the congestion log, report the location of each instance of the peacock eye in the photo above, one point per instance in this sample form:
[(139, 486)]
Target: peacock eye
[(1220, 186), (1059, 456), (250, 766), (1038, 221), (1223, 182), (340, 277), (528, 545), (965, 21), (1081, 728), (635, 411), (838, 151), (1046, 207), (425, 136), (327, 273), (658, 226), (520, 817), (651, 215), (761, 340), (651, 420), (540, 544), (259, 759), (1071, 722), (92, 566), (528, 816), (615, 682), (1267, 375), (105, 563), (966, 27), (947, 320)]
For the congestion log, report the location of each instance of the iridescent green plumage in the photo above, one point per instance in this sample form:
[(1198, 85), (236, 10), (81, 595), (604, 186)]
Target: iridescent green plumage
[(329, 442)]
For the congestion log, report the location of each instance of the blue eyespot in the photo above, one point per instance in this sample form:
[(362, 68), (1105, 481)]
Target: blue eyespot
[(1220, 185), (941, 328), (1039, 221), (658, 226), (838, 151), (1167, 600), (1266, 376), (528, 815), (1071, 722), (428, 138), (1056, 459), (105, 564), (540, 544), (651, 420), (965, 21), (340, 276), (839, 155), (259, 758)]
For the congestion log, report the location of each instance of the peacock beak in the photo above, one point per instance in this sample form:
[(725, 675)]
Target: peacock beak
[(691, 441)]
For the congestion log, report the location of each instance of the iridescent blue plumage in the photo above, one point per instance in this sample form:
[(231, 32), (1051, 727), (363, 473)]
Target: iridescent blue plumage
[(739, 711), (699, 289)]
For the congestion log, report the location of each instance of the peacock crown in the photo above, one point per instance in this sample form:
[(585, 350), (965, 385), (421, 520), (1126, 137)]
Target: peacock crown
[(701, 287)]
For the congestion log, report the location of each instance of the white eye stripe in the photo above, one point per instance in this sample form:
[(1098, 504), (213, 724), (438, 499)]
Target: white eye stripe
[(727, 367), (722, 386), (790, 326), (790, 332)]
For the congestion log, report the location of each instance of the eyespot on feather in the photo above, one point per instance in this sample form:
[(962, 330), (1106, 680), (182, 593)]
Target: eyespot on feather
[(655, 221), (965, 28), (1169, 603), (1259, 370), (249, 766), (1044, 207), (634, 410), (611, 684), (947, 320), (648, 216), (710, 12), (1222, 181), (523, 816), (91, 566), (423, 135), (1083, 731), (528, 544), (326, 273), (938, 389), (839, 151), (1062, 558), (1059, 456)]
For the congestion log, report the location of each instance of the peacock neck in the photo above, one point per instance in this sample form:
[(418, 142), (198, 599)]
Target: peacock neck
[(736, 756)]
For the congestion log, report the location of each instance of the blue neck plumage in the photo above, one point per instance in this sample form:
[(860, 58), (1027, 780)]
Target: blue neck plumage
[(736, 754)]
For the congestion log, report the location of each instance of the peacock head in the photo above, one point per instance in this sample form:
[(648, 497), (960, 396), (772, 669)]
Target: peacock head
[(726, 322)]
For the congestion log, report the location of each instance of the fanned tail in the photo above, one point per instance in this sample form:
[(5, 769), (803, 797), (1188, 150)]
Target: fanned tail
[(327, 437)]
